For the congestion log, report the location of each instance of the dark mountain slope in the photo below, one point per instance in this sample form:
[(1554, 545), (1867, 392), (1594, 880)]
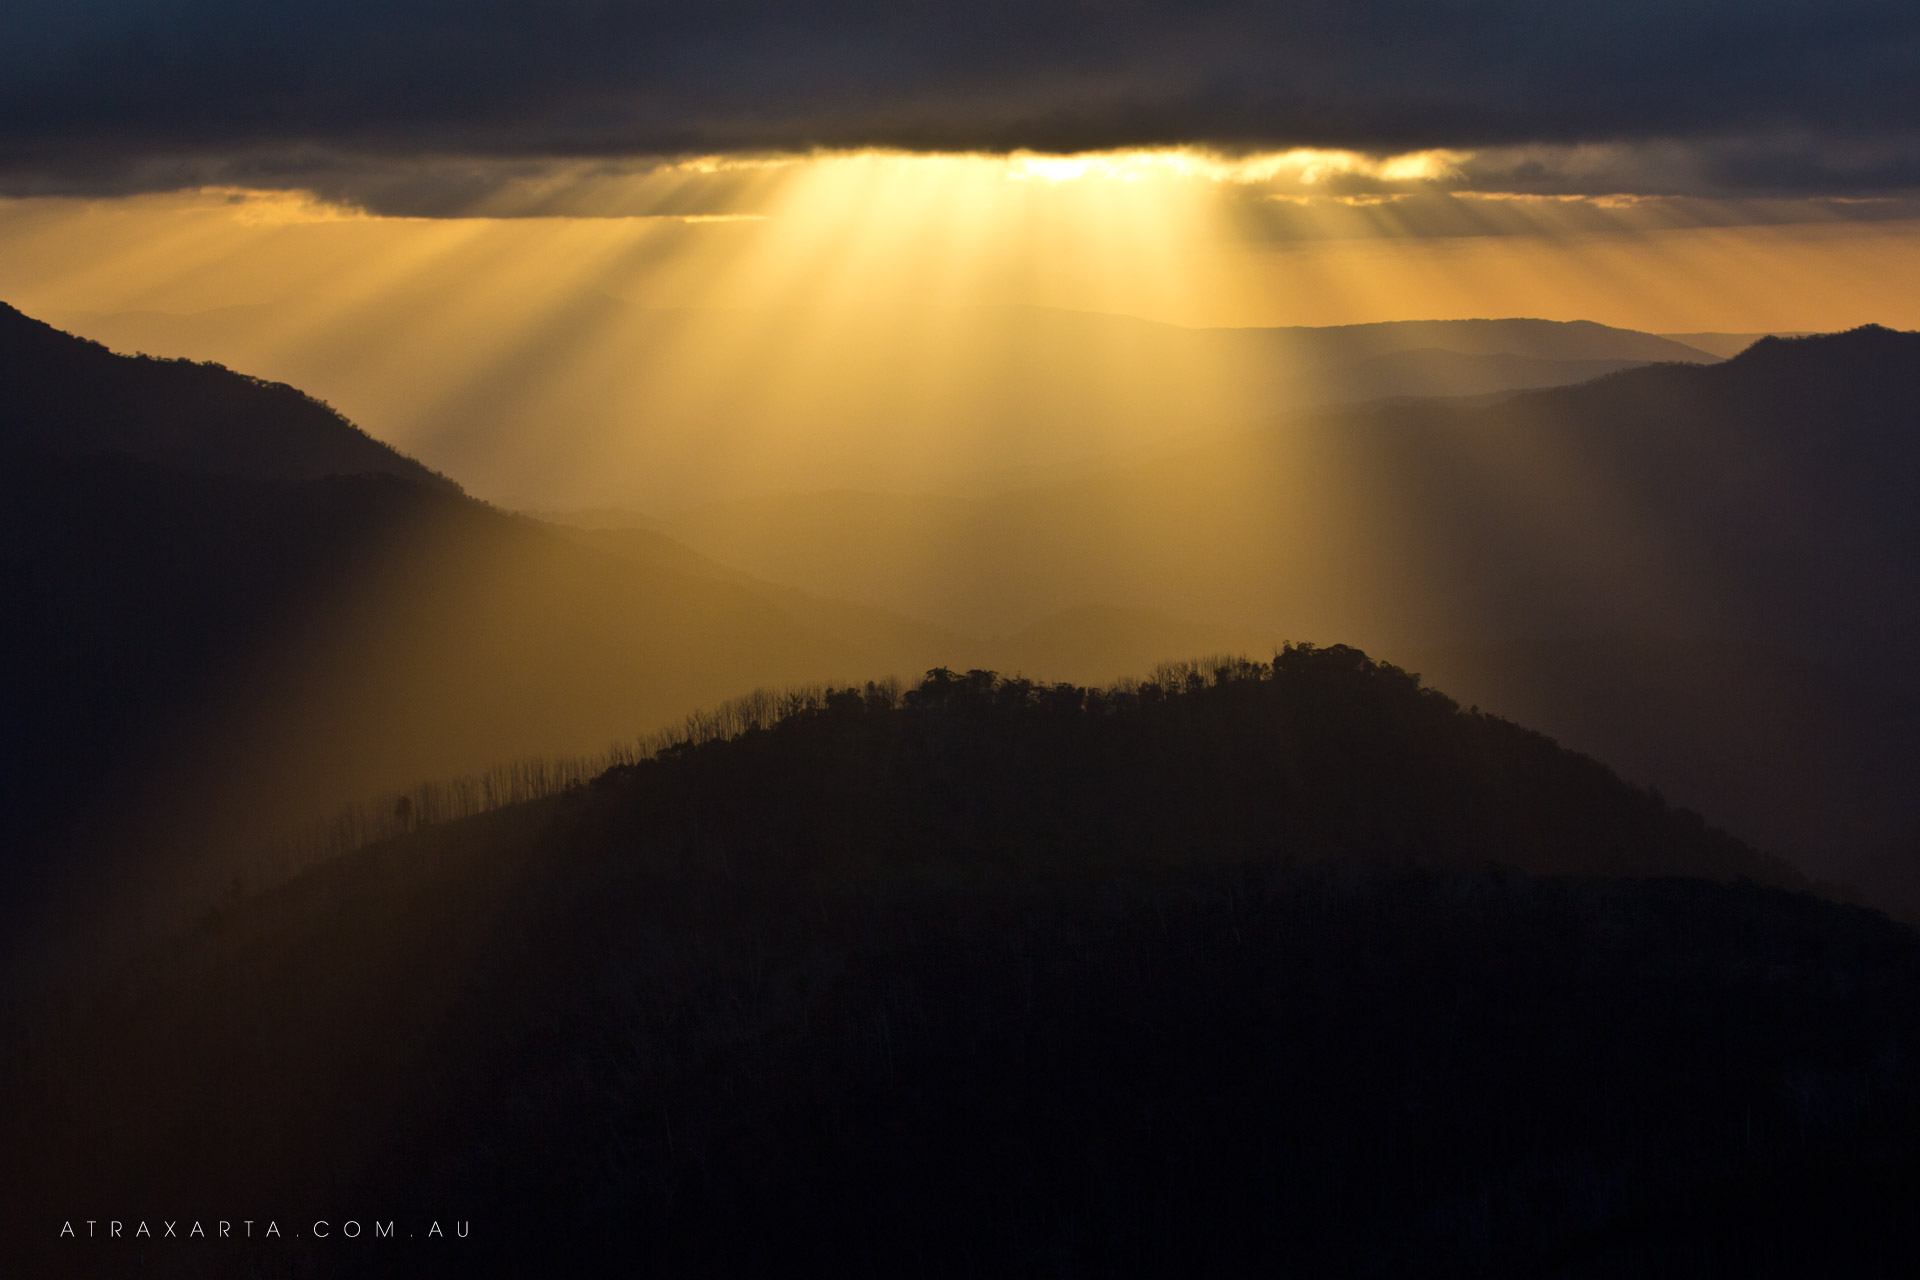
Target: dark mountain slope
[(1784, 753), (66, 394), (1012, 980)]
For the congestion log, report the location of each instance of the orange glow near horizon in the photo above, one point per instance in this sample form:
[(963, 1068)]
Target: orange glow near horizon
[(766, 323)]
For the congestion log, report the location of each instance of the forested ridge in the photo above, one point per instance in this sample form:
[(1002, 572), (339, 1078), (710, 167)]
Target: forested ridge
[(1290, 965)]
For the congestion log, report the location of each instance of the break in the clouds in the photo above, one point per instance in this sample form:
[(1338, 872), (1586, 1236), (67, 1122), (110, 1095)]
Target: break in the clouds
[(429, 105)]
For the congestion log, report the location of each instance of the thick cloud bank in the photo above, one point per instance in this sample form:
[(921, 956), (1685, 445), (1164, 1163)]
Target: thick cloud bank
[(1805, 96)]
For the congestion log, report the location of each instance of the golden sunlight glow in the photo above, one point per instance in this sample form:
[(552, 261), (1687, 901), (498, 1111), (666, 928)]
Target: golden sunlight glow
[(868, 319)]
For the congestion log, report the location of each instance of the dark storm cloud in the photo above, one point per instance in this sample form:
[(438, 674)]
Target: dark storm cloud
[(1767, 95)]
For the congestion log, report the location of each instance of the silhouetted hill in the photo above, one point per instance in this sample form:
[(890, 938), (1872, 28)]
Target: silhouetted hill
[(1320, 753), (66, 394), (1209, 975)]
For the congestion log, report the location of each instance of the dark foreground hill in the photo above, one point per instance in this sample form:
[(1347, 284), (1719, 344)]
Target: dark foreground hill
[(1294, 968)]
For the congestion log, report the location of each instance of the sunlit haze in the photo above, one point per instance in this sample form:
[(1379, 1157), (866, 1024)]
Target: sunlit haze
[(656, 335)]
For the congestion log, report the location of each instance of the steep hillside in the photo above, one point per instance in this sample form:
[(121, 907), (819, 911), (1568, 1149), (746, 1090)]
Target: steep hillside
[(68, 395), (1243, 970), (1782, 752)]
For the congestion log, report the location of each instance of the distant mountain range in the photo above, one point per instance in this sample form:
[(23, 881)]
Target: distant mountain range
[(685, 405)]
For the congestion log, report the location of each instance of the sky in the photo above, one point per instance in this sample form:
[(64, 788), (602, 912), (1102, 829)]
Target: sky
[(417, 207), (1727, 96)]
